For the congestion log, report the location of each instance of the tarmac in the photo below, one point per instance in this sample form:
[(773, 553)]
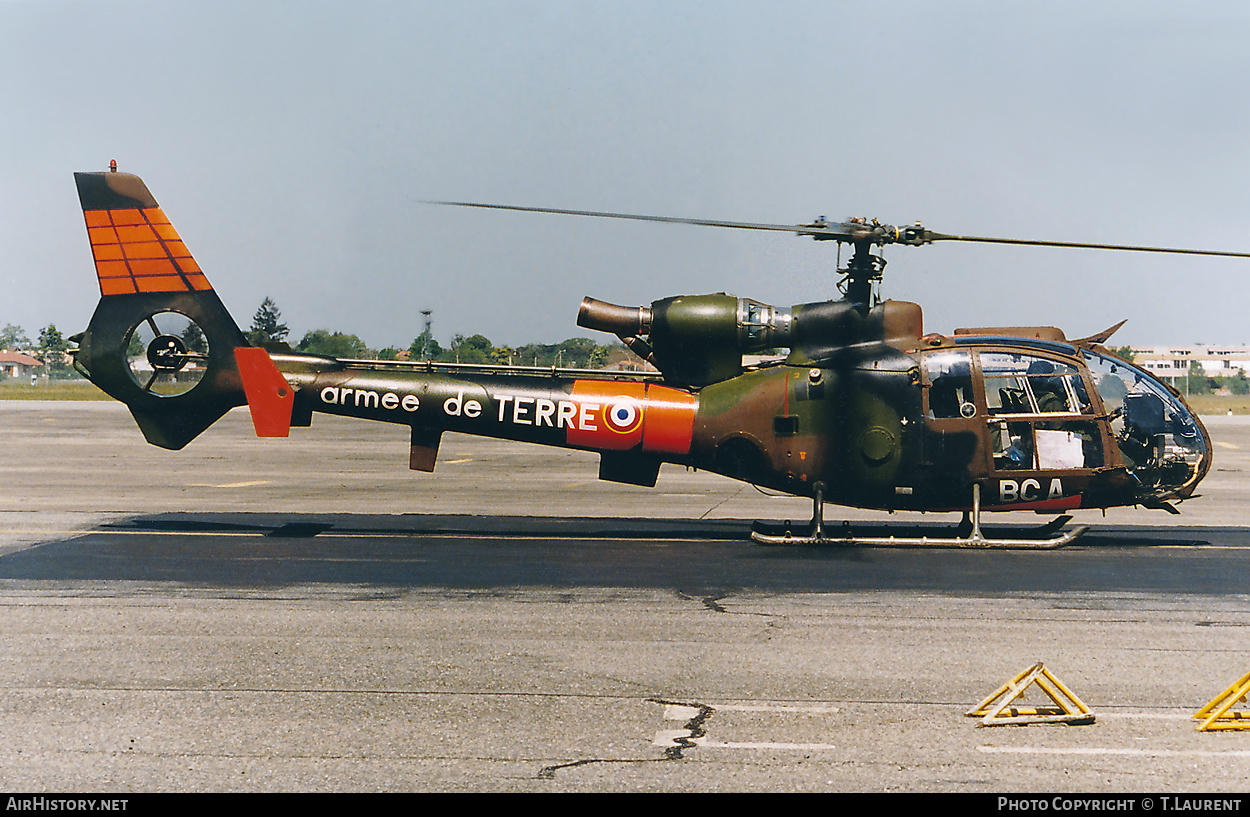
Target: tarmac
[(309, 615)]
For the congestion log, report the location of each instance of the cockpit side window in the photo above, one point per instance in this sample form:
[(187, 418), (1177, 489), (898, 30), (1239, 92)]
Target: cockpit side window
[(1018, 383), (1045, 445), (949, 377), (1113, 380)]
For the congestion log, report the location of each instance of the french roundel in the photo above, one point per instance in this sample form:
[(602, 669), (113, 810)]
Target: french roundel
[(623, 417)]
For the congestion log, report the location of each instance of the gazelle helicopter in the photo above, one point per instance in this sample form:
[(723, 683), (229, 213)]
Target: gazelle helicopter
[(866, 410)]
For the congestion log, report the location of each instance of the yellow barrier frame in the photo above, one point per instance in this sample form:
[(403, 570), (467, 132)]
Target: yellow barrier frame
[(1219, 714), (996, 710)]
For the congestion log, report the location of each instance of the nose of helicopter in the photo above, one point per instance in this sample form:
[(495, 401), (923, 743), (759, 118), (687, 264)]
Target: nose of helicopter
[(1178, 451), (1165, 446), (1199, 452)]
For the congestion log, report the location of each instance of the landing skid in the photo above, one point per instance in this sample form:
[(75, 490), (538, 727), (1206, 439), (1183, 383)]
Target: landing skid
[(968, 535)]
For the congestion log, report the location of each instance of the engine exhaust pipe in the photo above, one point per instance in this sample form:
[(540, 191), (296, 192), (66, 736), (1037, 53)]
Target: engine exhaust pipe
[(622, 321)]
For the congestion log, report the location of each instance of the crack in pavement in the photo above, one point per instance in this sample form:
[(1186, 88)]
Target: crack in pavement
[(693, 726)]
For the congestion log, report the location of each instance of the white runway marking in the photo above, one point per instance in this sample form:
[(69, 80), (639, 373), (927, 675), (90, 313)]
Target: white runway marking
[(680, 712), (681, 737), (787, 708), (684, 737), (1031, 750)]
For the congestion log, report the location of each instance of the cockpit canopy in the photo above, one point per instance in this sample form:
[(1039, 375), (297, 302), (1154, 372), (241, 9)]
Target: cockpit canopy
[(1163, 444), (1044, 405)]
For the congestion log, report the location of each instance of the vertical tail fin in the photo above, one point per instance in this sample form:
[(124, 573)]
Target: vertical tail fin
[(160, 340), (135, 247)]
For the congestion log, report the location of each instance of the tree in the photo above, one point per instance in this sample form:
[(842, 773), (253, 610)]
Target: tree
[(575, 353), (475, 349), (194, 338), (1239, 384), (52, 348), (582, 353), (13, 337), (332, 344), (502, 354), (1196, 381), (267, 326), (424, 347)]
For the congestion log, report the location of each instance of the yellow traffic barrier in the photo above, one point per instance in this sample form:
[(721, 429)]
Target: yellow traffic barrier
[(996, 710), (1219, 714)]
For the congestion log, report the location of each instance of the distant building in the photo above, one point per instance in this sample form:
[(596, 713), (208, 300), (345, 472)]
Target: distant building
[(1173, 362), (18, 364)]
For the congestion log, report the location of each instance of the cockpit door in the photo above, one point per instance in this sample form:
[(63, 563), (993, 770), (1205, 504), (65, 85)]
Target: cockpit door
[(954, 450), (1044, 438)]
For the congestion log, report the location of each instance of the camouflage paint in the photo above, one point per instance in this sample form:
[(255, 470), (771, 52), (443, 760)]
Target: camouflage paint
[(844, 411)]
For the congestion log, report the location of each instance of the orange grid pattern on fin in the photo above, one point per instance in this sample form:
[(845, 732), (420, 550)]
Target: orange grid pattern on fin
[(138, 250)]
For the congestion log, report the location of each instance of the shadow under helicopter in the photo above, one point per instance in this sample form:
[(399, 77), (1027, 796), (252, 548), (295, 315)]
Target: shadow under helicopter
[(259, 550)]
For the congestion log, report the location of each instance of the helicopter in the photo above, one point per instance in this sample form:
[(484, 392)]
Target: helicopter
[(864, 409)]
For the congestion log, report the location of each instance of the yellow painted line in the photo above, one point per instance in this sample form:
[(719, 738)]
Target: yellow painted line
[(1222, 444), (231, 484), (1196, 547), (141, 532), (456, 462), (416, 534)]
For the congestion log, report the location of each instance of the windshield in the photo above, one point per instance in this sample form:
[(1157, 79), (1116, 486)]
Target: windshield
[(1162, 441)]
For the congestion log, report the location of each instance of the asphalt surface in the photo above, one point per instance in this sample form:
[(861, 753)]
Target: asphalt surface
[(308, 615)]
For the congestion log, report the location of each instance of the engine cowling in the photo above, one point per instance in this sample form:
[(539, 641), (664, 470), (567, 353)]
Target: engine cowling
[(696, 340), (693, 340)]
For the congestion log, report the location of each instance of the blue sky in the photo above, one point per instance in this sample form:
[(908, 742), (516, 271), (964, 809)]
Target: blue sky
[(294, 143)]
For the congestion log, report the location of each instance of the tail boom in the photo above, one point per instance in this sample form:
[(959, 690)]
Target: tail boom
[(632, 423)]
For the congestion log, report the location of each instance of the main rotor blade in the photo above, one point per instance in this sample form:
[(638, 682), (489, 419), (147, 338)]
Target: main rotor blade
[(819, 228), (853, 231), (931, 236)]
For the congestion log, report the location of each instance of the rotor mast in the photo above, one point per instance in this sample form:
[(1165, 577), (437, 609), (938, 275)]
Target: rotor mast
[(862, 271), (864, 268)]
